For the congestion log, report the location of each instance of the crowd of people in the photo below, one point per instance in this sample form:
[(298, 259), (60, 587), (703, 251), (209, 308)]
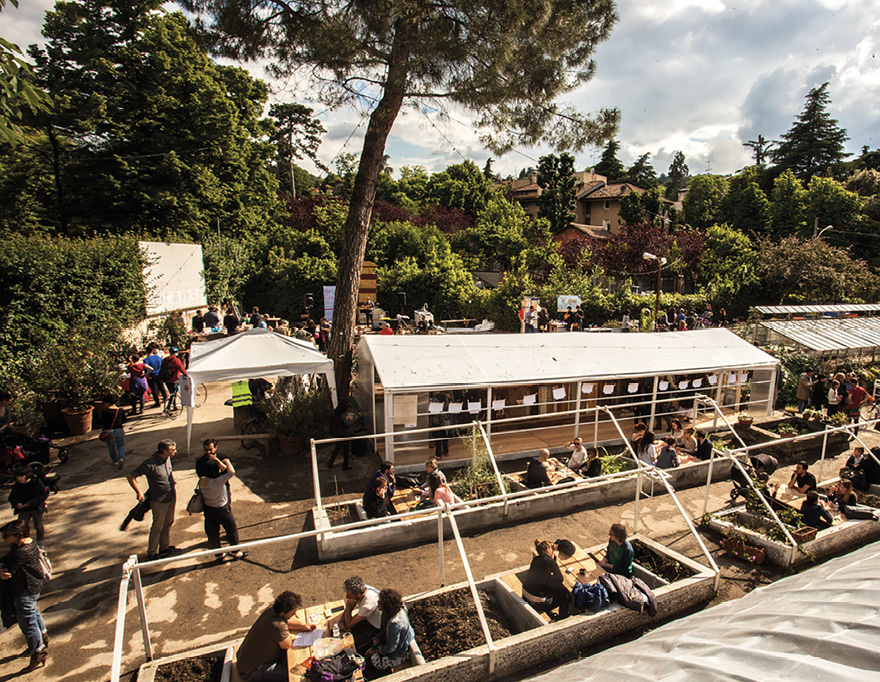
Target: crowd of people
[(833, 393), (536, 318)]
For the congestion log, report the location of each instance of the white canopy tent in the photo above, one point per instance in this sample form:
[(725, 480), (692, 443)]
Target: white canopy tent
[(254, 353)]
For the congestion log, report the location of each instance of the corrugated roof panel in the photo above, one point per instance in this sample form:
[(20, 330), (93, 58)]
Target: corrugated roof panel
[(829, 334)]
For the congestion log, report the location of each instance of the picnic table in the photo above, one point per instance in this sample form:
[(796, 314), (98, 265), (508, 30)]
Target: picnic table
[(557, 471), (406, 499), (571, 567), (793, 499), (323, 616)]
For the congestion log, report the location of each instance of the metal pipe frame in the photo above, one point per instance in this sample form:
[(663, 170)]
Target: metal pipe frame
[(494, 463)]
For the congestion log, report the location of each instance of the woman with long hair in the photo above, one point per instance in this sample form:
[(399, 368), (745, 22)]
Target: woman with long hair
[(645, 450), (594, 464), (24, 579), (112, 419), (391, 647), (137, 372), (440, 490)]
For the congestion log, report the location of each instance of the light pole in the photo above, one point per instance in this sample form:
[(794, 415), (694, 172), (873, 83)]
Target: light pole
[(660, 263)]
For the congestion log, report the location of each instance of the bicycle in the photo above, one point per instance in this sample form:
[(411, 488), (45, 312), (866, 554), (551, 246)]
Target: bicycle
[(173, 406)]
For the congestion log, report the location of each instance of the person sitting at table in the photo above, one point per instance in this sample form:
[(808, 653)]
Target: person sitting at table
[(544, 586), (668, 457), (390, 647), (687, 443), (704, 447), (593, 467), (198, 322), (231, 322), (262, 655), (367, 622), (619, 553), (645, 450), (801, 480), (536, 474), (842, 495), (578, 455), (385, 471), (638, 431), (440, 490), (676, 432), (376, 501), (855, 468), (431, 466), (813, 513)]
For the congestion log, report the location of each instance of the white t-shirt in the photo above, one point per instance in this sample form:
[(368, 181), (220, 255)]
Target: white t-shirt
[(368, 608), (578, 457), (833, 397)]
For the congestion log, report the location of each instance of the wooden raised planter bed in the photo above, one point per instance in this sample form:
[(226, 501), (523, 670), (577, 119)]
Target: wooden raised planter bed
[(758, 433), (741, 550)]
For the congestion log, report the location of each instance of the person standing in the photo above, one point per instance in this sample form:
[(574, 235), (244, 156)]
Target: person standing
[(230, 321), (217, 507), (625, 322), (568, 318), (198, 322), (112, 420), (137, 372), (28, 500), (833, 398), (160, 478), (23, 575), (172, 369), (856, 397), (339, 429), (211, 319), (528, 320), (154, 362), (804, 389), (579, 318)]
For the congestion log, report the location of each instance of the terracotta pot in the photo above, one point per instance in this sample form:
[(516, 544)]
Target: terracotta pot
[(290, 446), (78, 423), (31, 430), (750, 553), (745, 422), (99, 406)]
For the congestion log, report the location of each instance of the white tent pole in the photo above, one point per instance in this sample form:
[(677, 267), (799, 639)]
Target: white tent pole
[(489, 412), (577, 413), (316, 482), (331, 382), (189, 428), (822, 461), (654, 402)]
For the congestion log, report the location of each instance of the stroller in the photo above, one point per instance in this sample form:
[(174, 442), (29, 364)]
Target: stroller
[(18, 450), (760, 467)]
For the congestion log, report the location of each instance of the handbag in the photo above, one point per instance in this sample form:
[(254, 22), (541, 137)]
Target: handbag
[(105, 435), (196, 504)]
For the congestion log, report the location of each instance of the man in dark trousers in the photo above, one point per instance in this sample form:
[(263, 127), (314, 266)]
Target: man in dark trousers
[(163, 497)]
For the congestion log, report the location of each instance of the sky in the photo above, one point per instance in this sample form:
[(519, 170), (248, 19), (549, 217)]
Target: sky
[(700, 76)]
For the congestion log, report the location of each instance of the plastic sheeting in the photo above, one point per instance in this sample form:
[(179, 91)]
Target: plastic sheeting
[(426, 362), (823, 624), (829, 335)]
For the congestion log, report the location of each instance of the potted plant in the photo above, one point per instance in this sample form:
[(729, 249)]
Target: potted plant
[(27, 418), (744, 418), (293, 415), (737, 544), (791, 409)]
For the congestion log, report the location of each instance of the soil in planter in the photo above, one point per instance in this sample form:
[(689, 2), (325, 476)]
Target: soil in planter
[(202, 669), (448, 623), (660, 565)]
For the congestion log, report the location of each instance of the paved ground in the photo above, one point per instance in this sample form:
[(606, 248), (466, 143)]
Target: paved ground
[(198, 603)]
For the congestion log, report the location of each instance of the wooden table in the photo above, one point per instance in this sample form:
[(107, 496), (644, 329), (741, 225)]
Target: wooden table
[(793, 499), (323, 616), (557, 471), (406, 499), (571, 566)]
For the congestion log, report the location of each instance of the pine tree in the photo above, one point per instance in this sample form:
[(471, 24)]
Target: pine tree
[(556, 178), (609, 165), (677, 176), (642, 173), (814, 143)]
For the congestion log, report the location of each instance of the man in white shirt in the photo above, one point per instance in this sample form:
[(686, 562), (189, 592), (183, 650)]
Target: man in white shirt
[(361, 615)]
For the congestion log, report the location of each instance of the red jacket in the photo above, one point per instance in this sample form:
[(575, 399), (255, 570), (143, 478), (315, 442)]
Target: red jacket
[(176, 366)]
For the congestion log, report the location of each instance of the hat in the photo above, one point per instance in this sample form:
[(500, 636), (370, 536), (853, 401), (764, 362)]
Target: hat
[(174, 349)]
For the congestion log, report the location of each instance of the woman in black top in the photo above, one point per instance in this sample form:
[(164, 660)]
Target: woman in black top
[(112, 419), (544, 580), (23, 577), (594, 464), (231, 322)]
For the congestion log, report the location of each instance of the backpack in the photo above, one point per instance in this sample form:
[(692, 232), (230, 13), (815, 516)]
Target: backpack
[(45, 565), (586, 596), (165, 372)]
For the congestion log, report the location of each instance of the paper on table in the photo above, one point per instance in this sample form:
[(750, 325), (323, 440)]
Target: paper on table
[(498, 405), (633, 387), (308, 638), (530, 399), (454, 408), (608, 389), (474, 406), (435, 407), (587, 388), (558, 393), (663, 385)]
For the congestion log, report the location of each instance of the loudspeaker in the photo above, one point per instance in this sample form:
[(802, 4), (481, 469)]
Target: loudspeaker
[(401, 299)]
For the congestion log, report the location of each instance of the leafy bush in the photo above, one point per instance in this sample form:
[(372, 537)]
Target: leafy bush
[(477, 480)]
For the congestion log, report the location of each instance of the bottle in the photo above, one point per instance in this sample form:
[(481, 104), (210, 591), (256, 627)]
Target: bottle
[(336, 630)]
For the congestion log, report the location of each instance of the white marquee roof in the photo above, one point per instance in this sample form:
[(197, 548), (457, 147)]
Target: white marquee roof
[(254, 353), (423, 362)]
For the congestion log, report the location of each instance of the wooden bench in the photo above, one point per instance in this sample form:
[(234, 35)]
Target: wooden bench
[(513, 581)]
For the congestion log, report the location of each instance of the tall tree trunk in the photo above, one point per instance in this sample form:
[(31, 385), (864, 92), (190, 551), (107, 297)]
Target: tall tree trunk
[(59, 187), (357, 223)]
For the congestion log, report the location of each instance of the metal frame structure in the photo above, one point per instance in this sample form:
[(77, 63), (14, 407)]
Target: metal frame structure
[(131, 569)]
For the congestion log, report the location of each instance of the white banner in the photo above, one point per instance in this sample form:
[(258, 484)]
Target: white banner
[(329, 297)]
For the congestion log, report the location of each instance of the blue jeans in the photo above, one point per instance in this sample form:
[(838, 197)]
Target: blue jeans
[(116, 445), (269, 672), (801, 404), (29, 620)]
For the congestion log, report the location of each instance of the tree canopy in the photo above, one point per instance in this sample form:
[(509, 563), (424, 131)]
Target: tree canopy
[(559, 190), (609, 165), (814, 143)]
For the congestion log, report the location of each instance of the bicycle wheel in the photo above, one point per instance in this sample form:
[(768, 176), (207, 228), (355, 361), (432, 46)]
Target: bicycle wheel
[(172, 407), (201, 395), (249, 429)]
